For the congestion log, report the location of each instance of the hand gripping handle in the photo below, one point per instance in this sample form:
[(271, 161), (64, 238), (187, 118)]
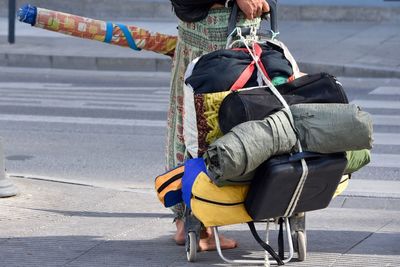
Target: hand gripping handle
[(273, 13)]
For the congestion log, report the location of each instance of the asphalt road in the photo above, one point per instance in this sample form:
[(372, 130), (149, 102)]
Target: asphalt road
[(108, 128), (86, 127)]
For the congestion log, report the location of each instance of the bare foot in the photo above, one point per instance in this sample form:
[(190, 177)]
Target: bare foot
[(207, 241), (180, 232)]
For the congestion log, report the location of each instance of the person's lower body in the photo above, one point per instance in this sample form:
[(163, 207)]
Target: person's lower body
[(194, 39)]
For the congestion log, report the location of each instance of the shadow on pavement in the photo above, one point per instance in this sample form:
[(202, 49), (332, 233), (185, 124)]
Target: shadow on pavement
[(107, 214), (343, 242), (122, 250)]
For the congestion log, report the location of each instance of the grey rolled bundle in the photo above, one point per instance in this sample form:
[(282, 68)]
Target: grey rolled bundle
[(330, 128), (322, 128)]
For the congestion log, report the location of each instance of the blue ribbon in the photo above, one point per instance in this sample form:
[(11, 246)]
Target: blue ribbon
[(126, 33), (109, 32)]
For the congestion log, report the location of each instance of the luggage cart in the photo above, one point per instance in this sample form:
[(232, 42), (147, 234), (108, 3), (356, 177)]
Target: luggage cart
[(295, 233), (294, 225)]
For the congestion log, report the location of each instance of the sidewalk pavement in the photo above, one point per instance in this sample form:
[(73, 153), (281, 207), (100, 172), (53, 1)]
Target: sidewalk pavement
[(326, 10), (361, 49), (61, 224)]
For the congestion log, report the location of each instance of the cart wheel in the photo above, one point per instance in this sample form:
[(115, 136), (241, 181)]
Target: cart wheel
[(301, 246), (191, 247)]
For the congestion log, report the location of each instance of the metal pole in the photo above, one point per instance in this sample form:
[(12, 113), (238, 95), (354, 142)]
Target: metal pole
[(11, 21), (7, 189)]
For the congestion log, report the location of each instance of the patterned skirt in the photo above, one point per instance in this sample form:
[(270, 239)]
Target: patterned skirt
[(194, 39)]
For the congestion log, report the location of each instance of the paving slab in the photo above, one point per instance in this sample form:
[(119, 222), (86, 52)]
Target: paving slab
[(61, 224)]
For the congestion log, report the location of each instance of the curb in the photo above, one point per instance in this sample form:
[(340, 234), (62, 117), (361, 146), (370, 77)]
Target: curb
[(339, 13), (350, 200), (150, 64), (349, 70), (163, 64)]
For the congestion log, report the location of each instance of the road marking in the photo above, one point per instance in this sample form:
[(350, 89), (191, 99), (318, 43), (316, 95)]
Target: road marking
[(96, 97), (69, 86), (388, 120), (80, 120), (18, 101), (386, 90), (371, 188), (386, 139), (77, 104), (379, 104), (162, 92), (121, 92), (90, 89), (33, 85), (385, 160)]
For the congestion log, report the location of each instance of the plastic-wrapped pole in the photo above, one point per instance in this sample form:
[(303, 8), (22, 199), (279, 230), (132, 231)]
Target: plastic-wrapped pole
[(108, 32)]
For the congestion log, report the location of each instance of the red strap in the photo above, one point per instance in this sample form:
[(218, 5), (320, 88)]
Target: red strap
[(243, 78), (248, 71)]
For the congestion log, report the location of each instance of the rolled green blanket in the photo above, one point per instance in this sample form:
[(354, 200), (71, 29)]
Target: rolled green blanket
[(356, 160)]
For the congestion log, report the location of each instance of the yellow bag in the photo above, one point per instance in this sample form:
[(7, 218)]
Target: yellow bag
[(344, 182), (216, 206)]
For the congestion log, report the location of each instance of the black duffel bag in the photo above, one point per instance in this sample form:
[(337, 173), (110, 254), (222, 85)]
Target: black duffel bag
[(256, 104)]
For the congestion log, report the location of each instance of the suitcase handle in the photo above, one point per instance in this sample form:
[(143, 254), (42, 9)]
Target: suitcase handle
[(304, 155), (310, 155)]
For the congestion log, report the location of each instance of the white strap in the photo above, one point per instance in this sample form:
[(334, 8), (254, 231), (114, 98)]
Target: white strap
[(288, 56), (295, 198)]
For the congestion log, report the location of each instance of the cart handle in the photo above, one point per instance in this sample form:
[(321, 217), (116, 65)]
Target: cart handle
[(273, 11), (273, 8)]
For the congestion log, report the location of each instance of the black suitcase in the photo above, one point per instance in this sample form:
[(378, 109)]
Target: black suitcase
[(276, 180)]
